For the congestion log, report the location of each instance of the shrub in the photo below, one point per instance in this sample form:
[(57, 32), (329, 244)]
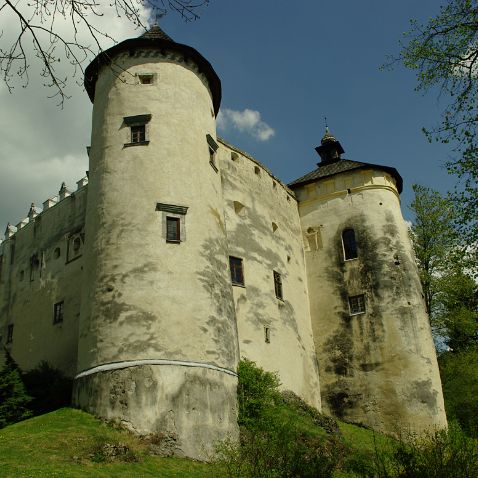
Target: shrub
[(49, 388), (14, 399)]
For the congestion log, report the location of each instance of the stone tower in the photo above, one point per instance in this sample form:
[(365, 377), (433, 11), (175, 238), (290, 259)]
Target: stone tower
[(158, 346), (377, 360)]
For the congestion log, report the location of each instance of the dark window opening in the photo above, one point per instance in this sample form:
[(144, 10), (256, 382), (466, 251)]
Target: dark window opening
[(138, 133), (357, 304), (58, 312), (212, 157), (278, 285), (146, 79), (349, 243), (237, 272), (173, 229), (267, 335), (10, 334)]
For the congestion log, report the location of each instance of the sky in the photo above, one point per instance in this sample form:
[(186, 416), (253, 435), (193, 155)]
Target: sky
[(284, 66)]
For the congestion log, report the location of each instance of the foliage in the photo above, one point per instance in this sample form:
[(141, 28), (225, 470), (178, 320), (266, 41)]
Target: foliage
[(459, 375), (14, 399), (257, 392), (49, 388), (444, 53), (56, 31), (439, 454), (434, 238)]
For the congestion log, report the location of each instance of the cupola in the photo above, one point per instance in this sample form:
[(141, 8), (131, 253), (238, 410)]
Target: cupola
[(330, 149)]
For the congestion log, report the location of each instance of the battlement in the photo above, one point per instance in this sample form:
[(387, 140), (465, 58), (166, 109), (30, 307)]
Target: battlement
[(35, 214)]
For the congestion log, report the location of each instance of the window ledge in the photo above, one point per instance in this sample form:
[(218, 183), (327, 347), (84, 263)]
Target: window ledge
[(353, 259), (235, 284), (139, 143), (173, 241), (356, 313)]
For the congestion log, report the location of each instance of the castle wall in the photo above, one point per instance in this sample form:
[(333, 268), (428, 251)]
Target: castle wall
[(378, 367), (150, 303), (42, 266), (263, 230)]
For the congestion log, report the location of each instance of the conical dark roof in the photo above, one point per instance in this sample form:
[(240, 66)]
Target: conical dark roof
[(154, 38), (155, 33)]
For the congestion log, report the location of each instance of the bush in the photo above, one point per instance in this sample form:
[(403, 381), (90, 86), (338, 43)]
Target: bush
[(441, 454), (14, 399), (49, 388)]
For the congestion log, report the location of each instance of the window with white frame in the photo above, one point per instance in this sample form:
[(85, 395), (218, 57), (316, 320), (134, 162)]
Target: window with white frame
[(138, 129), (173, 222), (357, 304)]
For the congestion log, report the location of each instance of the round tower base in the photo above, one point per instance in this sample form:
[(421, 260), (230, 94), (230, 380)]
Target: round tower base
[(187, 410)]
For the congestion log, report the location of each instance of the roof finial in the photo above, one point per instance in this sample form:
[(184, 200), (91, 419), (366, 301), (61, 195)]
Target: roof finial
[(159, 14), (326, 125)]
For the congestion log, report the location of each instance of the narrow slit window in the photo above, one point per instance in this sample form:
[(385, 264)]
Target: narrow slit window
[(357, 304), (237, 271), (267, 335), (10, 334), (173, 229), (138, 133), (349, 244), (278, 285), (58, 312)]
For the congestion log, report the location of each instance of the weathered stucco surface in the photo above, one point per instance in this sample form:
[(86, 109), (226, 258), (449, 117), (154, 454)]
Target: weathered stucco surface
[(378, 368)]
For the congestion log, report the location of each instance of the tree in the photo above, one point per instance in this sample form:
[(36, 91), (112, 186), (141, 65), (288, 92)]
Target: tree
[(434, 238), (444, 54), (55, 31), (13, 396)]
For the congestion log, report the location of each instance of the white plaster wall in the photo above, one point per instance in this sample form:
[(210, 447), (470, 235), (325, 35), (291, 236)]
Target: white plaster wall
[(147, 298), (378, 368), (28, 304), (251, 237)]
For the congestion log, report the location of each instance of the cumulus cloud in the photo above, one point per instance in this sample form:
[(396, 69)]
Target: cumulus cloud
[(246, 121), (42, 144)]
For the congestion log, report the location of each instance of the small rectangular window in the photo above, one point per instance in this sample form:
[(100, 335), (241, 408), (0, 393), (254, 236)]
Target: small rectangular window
[(237, 272), (357, 304), (58, 312), (278, 285), (267, 335), (349, 244), (10, 334), (213, 147), (173, 229), (138, 133), (146, 78)]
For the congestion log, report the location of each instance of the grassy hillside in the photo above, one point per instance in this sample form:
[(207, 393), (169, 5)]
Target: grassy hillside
[(71, 443)]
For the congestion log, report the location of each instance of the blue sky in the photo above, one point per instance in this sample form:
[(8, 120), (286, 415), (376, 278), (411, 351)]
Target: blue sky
[(292, 63)]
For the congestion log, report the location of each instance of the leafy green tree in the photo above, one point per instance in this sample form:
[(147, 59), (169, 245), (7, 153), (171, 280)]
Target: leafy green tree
[(444, 54), (14, 399), (434, 238)]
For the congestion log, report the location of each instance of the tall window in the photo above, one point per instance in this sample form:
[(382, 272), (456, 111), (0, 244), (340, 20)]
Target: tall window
[(213, 147), (138, 133), (278, 285), (357, 304), (10, 334), (349, 243), (237, 271), (173, 229), (58, 312)]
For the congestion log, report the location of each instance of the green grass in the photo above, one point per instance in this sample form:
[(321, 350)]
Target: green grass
[(63, 444)]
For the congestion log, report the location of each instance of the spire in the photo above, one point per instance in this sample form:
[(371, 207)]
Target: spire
[(330, 149), (156, 33)]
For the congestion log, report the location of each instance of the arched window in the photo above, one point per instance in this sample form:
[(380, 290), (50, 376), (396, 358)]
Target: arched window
[(349, 243)]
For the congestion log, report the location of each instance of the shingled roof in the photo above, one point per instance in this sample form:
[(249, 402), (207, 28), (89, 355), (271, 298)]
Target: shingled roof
[(341, 166)]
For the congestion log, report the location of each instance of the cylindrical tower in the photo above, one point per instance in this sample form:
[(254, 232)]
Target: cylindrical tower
[(377, 360), (158, 341)]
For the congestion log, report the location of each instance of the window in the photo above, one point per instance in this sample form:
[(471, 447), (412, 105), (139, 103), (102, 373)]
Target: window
[(267, 335), (173, 229), (257, 170), (74, 247), (57, 253), (357, 304), (173, 222), (10, 334), (58, 312), (237, 272), (213, 147), (138, 129), (349, 244), (278, 285), (146, 78), (138, 133)]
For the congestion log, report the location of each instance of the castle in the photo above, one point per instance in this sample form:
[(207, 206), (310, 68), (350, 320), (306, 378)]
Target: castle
[(180, 253)]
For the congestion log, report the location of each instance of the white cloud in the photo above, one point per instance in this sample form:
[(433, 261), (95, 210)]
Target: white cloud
[(246, 121)]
